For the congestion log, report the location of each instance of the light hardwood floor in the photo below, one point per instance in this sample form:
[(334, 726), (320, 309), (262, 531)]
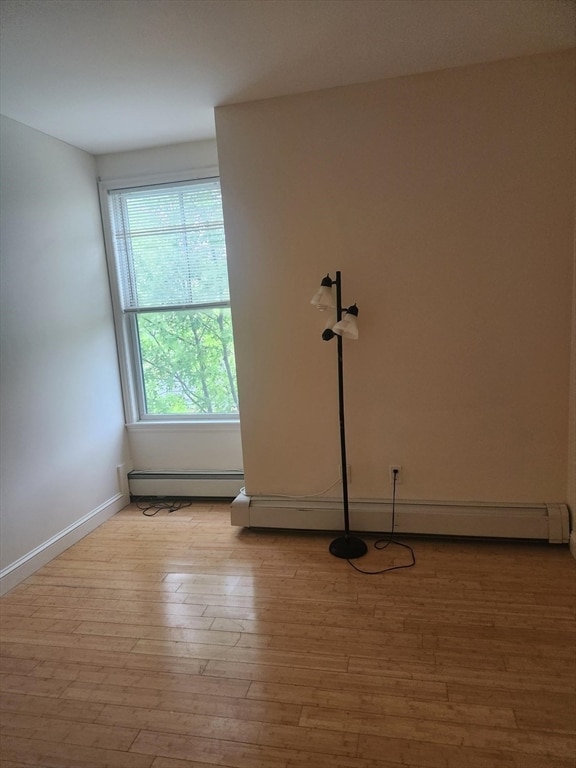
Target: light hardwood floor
[(177, 641)]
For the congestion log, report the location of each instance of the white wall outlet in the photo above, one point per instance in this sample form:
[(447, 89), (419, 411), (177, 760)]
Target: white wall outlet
[(391, 469), (122, 476)]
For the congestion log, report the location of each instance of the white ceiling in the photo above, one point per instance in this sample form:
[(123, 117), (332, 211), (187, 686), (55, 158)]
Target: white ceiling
[(113, 75)]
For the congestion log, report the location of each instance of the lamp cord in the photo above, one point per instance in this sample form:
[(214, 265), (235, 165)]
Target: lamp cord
[(159, 503), (385, 542), (305, 496)]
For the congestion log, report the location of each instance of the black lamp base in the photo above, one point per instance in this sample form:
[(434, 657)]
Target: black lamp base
[(348, 547)]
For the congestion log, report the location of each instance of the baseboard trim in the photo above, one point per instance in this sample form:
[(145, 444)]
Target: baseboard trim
[(547, 522), (26, 565)]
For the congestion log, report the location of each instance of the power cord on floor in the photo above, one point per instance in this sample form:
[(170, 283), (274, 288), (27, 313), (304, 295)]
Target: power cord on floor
[(159, 503), (385, 543)]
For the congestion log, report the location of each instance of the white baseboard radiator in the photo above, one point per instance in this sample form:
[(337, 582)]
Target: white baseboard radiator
[(546, 522), (209, 484)]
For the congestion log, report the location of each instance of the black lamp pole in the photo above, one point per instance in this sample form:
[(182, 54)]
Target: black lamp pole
[(346, 546)]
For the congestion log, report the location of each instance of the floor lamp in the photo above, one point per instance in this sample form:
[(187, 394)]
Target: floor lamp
[(339, 325)]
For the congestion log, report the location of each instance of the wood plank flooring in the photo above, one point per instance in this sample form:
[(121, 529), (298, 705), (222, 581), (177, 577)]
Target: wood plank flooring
[(177, 641)]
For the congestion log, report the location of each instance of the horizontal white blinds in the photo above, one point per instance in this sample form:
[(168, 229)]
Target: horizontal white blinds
[(169, 245)]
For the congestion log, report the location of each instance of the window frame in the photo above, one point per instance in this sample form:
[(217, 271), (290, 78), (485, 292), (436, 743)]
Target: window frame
[(125, 322)]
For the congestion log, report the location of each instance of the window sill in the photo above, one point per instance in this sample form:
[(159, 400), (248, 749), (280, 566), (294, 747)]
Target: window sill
[(230, 425)]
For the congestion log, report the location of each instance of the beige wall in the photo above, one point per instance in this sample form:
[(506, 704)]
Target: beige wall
[(446, 199)]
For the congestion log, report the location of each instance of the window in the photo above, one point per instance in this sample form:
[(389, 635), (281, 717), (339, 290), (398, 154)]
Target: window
[(170, 289)]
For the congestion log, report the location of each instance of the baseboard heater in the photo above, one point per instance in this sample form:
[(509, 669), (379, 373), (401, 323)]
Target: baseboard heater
[(547, 522), (189, 483)]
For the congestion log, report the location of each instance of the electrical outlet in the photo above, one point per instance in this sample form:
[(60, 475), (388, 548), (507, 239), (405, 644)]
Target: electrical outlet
[(398, 468), (122, 475)]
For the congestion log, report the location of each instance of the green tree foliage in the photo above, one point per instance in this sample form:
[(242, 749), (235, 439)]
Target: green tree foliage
[(188, 362), (171, 252)]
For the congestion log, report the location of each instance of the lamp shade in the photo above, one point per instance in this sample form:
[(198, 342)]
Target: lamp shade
[(328, 333), (348, 327), (330, 318), (323, 298)]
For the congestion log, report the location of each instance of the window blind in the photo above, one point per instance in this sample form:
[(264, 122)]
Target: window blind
[(169, 245)]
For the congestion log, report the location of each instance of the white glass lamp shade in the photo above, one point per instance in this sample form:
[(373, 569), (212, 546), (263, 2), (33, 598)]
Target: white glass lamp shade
[(323, 298), (348, 327), (330, 319)]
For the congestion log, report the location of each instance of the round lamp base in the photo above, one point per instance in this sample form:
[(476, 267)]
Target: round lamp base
[(348, 547)]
